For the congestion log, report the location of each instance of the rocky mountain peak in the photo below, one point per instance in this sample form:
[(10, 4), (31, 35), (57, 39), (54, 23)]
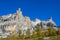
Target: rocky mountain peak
[(19, 22)]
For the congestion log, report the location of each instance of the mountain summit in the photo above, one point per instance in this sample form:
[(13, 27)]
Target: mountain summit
[(13, 22)]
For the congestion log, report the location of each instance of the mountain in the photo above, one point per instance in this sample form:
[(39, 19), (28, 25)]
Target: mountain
[(13, 22)]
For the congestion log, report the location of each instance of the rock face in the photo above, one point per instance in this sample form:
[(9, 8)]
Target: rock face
[(44, 24), (13, 22)]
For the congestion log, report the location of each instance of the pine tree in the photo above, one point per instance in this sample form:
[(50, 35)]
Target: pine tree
[(28, 33)]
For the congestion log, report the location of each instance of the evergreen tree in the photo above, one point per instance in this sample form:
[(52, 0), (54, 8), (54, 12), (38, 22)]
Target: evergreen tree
[(28, 33)]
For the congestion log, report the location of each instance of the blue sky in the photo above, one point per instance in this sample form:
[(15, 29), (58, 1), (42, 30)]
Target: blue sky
[(41, 9)]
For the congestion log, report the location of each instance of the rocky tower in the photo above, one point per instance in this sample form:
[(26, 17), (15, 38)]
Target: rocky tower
[(19, 15)]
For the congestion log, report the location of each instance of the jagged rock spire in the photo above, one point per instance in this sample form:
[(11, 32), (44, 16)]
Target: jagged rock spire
[(19, 12), (19, 9), (50, 19)]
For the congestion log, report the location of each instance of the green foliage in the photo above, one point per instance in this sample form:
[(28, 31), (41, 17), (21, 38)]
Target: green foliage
[(58, 32), (34, 34), (51, 32), (37, 34), (28, 32), (20, 36), (40, 39)]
